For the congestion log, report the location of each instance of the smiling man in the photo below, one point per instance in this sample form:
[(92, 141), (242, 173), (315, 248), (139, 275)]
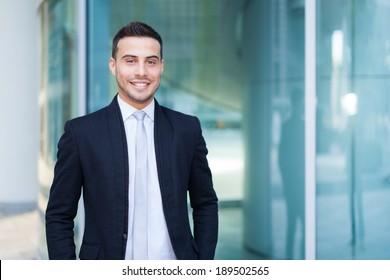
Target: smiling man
[(135, 162)]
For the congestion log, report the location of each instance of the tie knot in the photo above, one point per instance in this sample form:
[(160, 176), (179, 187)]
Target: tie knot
[(139, 115)]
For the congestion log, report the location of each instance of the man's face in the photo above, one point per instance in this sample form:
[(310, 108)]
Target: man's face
[(137, 68)]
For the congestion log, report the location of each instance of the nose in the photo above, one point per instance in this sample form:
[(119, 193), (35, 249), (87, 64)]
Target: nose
[(140, 70)]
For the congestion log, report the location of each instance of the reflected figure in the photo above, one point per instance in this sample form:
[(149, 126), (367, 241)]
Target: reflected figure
[(292, 167)]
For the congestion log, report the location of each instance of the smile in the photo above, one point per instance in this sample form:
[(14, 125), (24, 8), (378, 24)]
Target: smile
[(140, 85)]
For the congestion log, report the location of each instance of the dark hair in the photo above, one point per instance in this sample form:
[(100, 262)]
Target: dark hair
[(136, 29)]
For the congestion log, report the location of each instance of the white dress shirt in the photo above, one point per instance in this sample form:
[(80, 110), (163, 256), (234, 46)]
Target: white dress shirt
[(159, 243)]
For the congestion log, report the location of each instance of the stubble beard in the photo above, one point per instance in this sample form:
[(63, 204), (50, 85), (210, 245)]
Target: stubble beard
[(138, 97)]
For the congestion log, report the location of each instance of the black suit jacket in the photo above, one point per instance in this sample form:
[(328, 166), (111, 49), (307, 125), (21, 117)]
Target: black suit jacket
[(92, 159)]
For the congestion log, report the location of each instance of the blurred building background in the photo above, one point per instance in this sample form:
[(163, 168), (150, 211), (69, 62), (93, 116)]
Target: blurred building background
[(293, 96)]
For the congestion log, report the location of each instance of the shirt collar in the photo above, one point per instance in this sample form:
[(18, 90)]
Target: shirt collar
[(127, 110)]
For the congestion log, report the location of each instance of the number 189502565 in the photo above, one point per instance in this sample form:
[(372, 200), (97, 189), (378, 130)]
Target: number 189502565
[(240, 270)]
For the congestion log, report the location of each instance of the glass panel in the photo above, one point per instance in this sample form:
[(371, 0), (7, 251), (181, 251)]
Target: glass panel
[(58, 96), (353, 130), (274, 128), (288, 142)]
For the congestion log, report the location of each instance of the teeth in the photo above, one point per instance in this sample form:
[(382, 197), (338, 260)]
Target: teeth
[(140, 84)]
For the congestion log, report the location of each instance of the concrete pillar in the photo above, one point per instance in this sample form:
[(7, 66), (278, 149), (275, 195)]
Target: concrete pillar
[(19, 114), (256, 204)]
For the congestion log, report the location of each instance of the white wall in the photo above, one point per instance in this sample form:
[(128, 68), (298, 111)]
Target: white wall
[(19, 114)]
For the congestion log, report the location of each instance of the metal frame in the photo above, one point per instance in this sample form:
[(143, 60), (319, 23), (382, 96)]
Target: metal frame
[(310, 129)]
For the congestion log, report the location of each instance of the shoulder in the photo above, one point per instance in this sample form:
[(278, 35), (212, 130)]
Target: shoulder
[(86, 122), (90, 117), (176, 116), (98, 118), (178, 122)]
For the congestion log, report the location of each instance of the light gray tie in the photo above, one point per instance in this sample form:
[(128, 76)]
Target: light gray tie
[(140, 234)]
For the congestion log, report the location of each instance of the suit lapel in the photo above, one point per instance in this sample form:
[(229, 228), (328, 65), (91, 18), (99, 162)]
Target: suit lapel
[(120, 160), (163, 137), (118, 139)]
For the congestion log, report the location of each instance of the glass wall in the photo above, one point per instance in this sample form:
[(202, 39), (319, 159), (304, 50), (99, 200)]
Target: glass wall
[(58, 88), (353, 129)]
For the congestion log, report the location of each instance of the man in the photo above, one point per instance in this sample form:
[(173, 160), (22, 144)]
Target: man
[(99, 156)]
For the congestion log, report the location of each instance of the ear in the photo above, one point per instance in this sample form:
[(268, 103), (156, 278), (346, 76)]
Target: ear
[(112, 65), (162, 66)]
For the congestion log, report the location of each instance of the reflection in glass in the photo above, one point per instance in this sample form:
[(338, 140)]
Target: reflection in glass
[(353, 155), (292, 170)]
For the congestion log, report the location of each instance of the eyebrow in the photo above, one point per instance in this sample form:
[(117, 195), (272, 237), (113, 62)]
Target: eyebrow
[(134, 56)]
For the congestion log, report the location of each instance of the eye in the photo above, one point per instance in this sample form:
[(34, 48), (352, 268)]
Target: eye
[(130, 61), (151, 62)]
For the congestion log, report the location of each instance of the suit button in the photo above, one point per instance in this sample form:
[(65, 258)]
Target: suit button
[(124, 236)]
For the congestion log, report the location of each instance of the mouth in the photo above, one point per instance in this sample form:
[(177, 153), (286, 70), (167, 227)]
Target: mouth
[(140, 85)]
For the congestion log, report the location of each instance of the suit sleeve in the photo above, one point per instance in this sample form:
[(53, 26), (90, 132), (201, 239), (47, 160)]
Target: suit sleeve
[(203, 200), (63, 199)]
